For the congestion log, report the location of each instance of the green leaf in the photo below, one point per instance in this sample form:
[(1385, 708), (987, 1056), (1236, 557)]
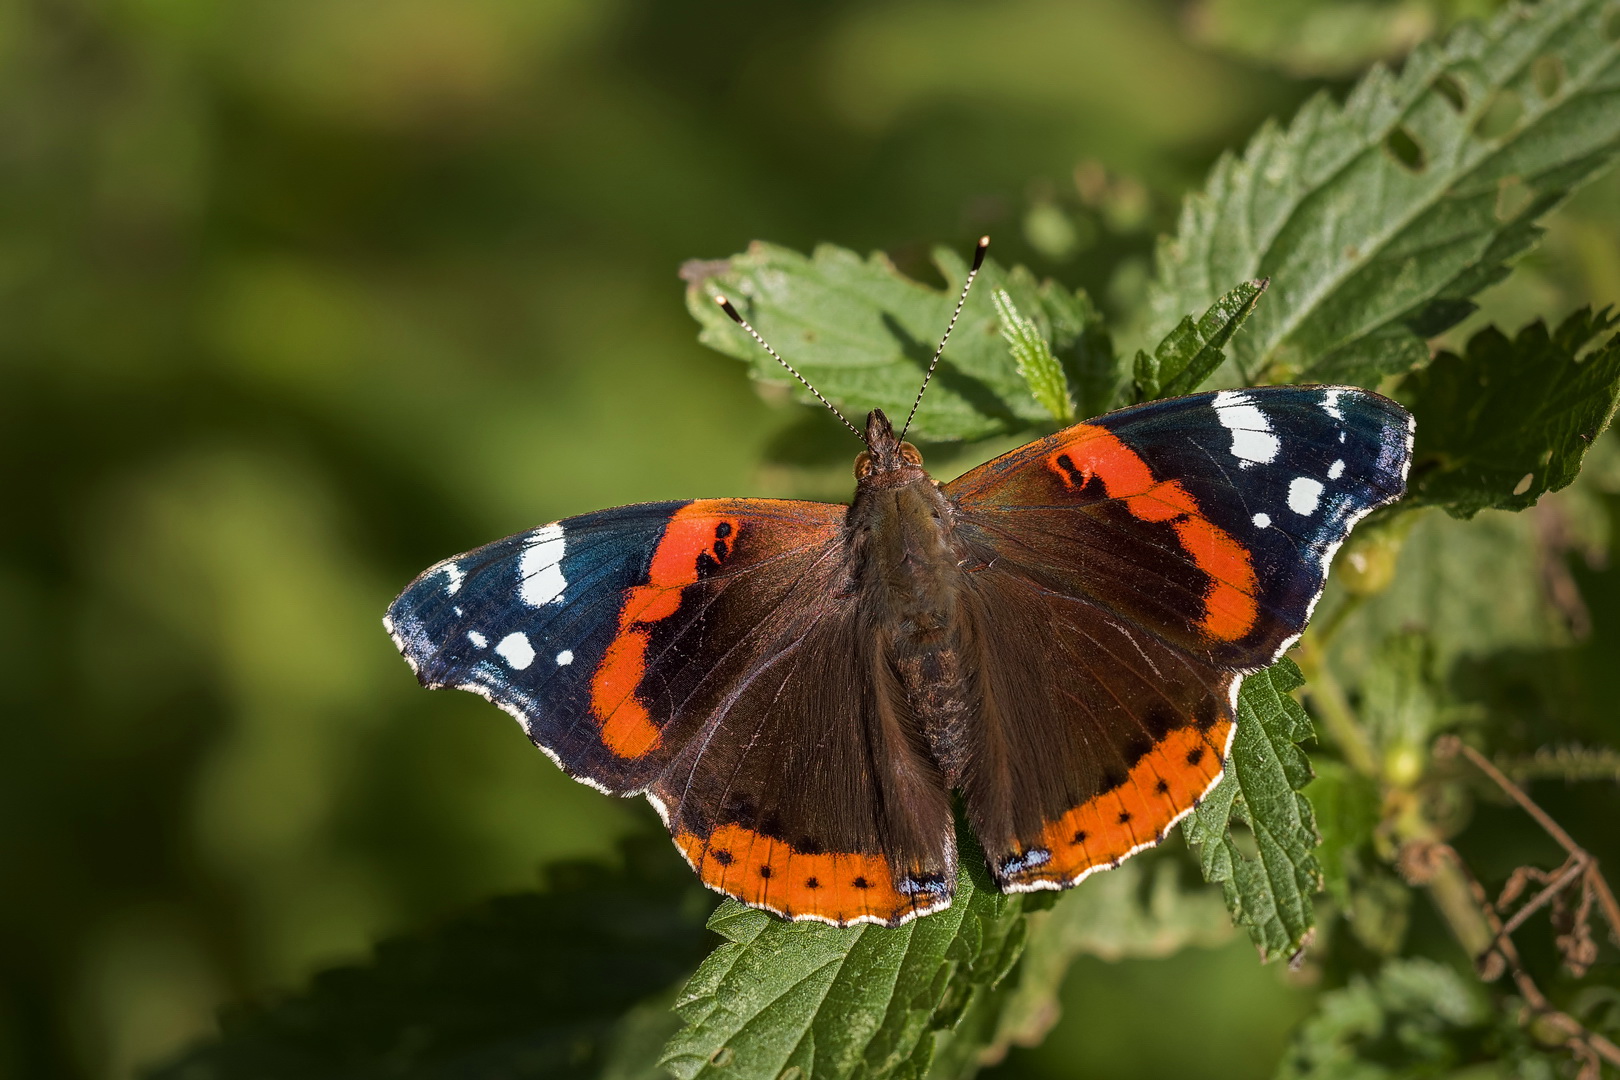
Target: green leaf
[(1377, 219), (1191, 352), (1139, 910), (1412, 1020), (828, 1002), (1268, 891), (1033, 355), (532, 984), (1512, 418), (863, 333)]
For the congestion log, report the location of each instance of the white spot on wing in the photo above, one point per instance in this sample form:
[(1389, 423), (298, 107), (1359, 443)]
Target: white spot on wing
[(1303, 495), (565, 658), (454, 577), (1252, 438), (477, 639), (515, 649), (1336, 470), (1262, 521), (540, 575), (1330, 405)]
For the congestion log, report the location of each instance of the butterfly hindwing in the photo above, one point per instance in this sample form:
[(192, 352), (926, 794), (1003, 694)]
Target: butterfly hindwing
[(709, 655), (1146, 560)]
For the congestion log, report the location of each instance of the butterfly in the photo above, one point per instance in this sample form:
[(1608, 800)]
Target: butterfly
[(1056, 639)]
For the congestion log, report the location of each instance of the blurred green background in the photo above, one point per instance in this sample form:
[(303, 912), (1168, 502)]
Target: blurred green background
[(299, 296)]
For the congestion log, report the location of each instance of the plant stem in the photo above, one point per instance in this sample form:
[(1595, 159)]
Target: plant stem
[(1333, 708)]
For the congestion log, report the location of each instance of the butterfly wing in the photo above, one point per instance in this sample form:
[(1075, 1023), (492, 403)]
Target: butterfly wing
[(1135, 567), (709, 655)]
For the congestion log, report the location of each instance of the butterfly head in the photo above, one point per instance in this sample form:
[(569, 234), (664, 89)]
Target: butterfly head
[(887, 461)]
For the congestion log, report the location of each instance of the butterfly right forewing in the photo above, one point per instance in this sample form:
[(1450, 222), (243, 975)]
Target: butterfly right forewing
[(1134, 568)]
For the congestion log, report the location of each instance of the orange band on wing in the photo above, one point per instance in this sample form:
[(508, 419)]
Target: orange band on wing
[(1164, 784), (769, 873), (1229, 604), (696, 530)]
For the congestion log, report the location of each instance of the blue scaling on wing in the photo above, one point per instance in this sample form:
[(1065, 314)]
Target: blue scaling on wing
[(525, 622), (1285, 470)]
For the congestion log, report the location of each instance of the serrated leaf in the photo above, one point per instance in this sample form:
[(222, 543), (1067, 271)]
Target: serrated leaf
[(1512, 418), (863, 333), (1140, 910), (1033, 356), (1269, 892), (1376, 220), (834, 1003), (1191, 352), (531, 985)]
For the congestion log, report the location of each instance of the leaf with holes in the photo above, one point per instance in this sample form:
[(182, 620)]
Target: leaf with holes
[(1191, 352), (863, 333), (1512, 418), (1269, 891), (1378, 219), (819, 1002)]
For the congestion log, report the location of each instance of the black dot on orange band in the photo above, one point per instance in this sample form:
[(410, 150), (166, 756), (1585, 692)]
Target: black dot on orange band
[(764, 871), (861, 883), (721, 856), (1079, 837), (811, 883), (723, 529), (1162, 787), (1195, 755), (1124, 817)]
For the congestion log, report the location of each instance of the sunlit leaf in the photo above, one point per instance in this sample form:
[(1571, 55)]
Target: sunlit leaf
[(1376, 220), (863, 334), (1033, 356), (1268, 892), (1191, 352), (835, 1002)]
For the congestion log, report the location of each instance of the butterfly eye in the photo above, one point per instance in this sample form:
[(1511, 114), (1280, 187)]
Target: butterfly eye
[(863, 465), (911, 453)]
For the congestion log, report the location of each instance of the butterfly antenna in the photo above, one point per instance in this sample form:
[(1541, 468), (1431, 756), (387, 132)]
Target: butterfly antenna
[(978, 261), (725, 305)]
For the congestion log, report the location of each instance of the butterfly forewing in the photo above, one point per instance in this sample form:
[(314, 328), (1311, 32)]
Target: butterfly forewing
[(709, 655), (1133, 568)]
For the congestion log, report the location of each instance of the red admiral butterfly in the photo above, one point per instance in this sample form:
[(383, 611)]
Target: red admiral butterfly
[(798, 687)]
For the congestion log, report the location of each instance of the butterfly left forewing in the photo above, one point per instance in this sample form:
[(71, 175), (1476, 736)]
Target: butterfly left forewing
[(1131, 569), (708, 655)]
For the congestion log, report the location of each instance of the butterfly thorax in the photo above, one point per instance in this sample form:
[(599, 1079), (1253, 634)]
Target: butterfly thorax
[(907, 572)]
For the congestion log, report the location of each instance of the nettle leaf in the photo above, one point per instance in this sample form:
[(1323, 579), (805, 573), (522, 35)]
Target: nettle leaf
[(830, 1003), (1268, 890), (1033, 356), (1141, 910), (1377, 219), (534, 985), (1191, 352), (1512, 418), (864, 333)]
